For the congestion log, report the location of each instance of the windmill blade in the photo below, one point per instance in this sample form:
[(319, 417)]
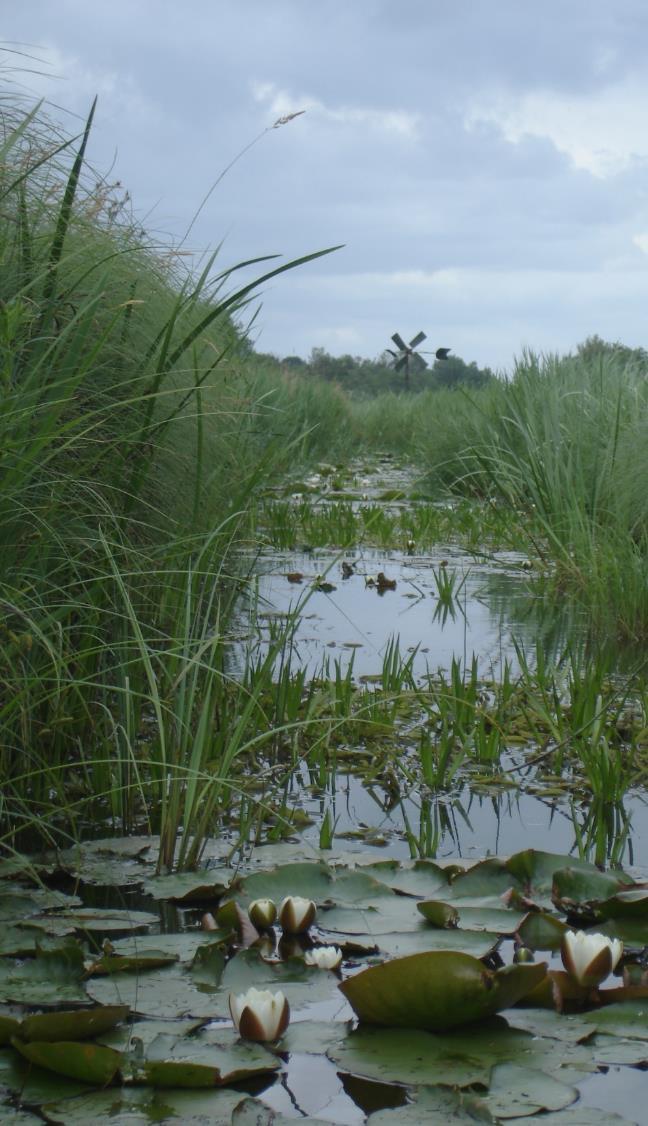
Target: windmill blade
[(391, 352), (442, 353), (399, 342), (400, 364), (418, 339), (420, 362)]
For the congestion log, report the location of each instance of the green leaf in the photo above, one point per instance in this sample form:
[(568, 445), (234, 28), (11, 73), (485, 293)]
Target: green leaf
[(436, 990), (515, 1091), (461, 1057), (122, 963), (172, 1062), (186, 887), (82, 1024), (53, 977), (141, 1106), (625, 1018), (435, 1104), (90, 1063), (541, 931), (632, 904)]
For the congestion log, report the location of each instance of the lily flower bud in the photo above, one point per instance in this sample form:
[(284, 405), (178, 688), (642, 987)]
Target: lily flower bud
[(263, 913), (259, 1014), (296, 914), (324, 957), (589, 958)]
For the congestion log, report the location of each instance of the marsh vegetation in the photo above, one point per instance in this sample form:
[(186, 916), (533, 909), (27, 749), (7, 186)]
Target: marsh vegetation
[(248, 620)]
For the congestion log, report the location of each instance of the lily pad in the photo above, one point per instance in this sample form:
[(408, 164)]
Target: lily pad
[(53, 977), (186, 887), (90, 1063), (422, 878), (435, 1104), (140, 1106), (186, 1062), (437, 990), (462, 1057), (626, 1018), (631, 904), (164, 994), (122, 963), (515, 1092), (83, 1024)]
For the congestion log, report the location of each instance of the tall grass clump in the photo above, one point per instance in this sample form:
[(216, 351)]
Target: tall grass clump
[(133, 434), (563, 445)]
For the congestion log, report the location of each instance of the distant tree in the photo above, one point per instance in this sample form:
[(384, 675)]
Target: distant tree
[(595, 347), (293, 362), (454, 370)]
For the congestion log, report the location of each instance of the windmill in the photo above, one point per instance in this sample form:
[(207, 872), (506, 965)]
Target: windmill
[(407, 352)]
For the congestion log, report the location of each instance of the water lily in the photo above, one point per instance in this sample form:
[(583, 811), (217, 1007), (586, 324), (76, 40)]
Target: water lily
[(589, 958), (259, 1014), (263, 913), (324, 957), (296, 914)]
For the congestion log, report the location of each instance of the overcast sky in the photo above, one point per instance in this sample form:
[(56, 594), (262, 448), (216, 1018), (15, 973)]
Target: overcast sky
[(485, 162)]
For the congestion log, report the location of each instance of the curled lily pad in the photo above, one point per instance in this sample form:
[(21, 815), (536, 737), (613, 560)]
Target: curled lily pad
[(123, 963), (91, 1063), (52, 977), (82, 1024), (437, 990)]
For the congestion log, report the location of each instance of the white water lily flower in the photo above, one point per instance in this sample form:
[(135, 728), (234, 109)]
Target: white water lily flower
[(263, 913), (324, 957), (589, 958), (296, 914), (259, 1014)]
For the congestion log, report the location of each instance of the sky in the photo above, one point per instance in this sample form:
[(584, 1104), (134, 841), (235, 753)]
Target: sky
[(483, 162)]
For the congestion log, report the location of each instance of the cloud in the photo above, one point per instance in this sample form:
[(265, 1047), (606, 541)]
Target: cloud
[(602, 132)]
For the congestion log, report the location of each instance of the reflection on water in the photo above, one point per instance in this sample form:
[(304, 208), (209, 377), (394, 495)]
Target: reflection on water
[(491, 611), (473, 823)]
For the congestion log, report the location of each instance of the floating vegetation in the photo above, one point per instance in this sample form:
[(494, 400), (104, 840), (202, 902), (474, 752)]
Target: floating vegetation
[(433, 960)]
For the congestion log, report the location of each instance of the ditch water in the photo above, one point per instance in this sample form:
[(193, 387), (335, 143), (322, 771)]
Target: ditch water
[(343, 617)]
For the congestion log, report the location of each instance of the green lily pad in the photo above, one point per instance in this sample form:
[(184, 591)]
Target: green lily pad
[(437, 990), (541, 931), (488, 877), (90, 1063), (300, 984), (461, 1057), (499, 920), (631, 904), (83, 1024), (422, 878), (535, 868), (425, 939), (172, 1062), (616, 1050), (97, 920), (208, 964), (164, 994), (53, 977), (129, 1037), (575, 890), (313, 881), (435, 1104), (515, 1092), (186, 887), (625, 1018), (122, 963), (140, 1106), (181, 946), (313, 1037), (17, 904)]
